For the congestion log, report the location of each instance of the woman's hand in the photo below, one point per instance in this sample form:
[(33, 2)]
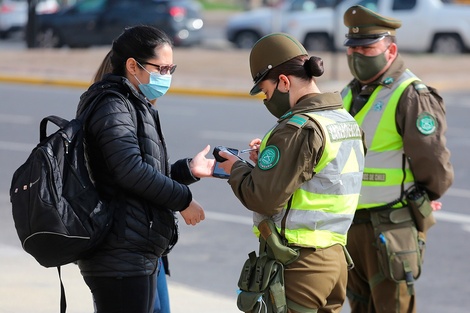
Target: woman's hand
[(200, 165), (193, 214)]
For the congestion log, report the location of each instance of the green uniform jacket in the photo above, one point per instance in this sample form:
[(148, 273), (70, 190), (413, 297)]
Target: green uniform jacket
[(430, 157), (267, 191)]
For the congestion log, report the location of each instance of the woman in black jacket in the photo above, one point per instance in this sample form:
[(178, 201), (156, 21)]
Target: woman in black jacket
[(129, 163)]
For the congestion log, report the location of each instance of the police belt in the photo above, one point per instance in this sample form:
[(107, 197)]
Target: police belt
[(389, 215)]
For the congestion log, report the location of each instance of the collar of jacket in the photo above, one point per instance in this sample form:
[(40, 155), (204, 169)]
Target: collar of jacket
[(315, 102), (124, 82)]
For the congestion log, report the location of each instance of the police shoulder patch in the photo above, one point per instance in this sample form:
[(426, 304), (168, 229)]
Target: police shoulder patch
[(297, 120), (269, 157), (420, 87), (426, 123)]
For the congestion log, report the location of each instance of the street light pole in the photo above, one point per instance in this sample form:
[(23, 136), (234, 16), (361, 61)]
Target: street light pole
[(31, 28)]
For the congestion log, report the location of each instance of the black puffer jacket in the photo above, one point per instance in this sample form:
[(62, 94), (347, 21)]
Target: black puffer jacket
[(129, 162)]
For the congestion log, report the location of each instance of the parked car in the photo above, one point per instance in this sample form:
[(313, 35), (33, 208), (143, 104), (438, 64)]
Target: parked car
[(98, 22), (14, 14), (245, 28), (427, 25)]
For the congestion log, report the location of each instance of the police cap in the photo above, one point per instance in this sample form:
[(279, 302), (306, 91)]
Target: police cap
[(271, 51), (367, 27)]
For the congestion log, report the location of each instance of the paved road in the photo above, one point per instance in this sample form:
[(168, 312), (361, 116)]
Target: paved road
[(206, 262), (204, 278)]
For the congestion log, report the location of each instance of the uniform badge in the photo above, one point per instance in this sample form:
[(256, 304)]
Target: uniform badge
[(268, 158), (388, 80), (378, 106), (426, 123)]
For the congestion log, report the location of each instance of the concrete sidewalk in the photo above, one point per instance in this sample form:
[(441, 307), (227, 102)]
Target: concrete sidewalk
[(216, 70), (28, 287), (209, 71)]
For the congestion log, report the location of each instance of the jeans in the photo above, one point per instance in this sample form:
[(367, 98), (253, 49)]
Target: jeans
[(162, 300)]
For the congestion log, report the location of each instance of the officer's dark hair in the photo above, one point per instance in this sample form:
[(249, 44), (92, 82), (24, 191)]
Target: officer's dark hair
[(138, 42), (301, 66)]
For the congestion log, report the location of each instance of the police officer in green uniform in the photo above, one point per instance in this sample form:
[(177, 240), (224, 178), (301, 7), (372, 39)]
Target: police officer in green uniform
[(405, 124), (308, 172)]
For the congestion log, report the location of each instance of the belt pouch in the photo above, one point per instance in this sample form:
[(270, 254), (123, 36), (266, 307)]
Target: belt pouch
[(261, 284), (396, 239), (420, 207)]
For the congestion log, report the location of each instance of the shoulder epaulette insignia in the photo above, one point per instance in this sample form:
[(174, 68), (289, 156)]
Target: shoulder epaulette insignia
[(297, 121), (420, 87)]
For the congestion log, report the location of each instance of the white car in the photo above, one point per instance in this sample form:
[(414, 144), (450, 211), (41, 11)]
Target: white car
[(244, 29), (438, 26), (14, 14)]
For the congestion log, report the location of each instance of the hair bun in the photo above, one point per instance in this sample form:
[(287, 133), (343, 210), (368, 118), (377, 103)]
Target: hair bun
[(314, 66)]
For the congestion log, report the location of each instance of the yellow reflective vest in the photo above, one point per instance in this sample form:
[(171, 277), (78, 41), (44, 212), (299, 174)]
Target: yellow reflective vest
[(385, 170), (320, 212)]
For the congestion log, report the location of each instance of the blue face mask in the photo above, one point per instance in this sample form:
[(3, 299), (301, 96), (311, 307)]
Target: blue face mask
[(158, 85)]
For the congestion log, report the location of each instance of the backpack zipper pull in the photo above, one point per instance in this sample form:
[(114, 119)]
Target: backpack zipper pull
[(66, 143)]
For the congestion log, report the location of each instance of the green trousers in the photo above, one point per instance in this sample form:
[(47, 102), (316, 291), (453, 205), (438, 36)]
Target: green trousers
[(317, 279), (368, 291)]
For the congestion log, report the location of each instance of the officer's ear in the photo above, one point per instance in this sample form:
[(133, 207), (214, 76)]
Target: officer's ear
[(392, 51), (284, 83)]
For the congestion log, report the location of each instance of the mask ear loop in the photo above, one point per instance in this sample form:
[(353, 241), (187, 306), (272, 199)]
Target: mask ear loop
[(143, 69), (137, 79), (277, 85)]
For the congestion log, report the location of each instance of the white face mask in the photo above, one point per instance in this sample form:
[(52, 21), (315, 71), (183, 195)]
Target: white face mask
[(158, 84)]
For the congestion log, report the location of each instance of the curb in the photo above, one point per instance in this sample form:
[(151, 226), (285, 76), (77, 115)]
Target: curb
[(84, 85)]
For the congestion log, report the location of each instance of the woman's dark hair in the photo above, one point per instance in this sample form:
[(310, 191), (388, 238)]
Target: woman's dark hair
[(302, 67), (138, 42), (105, 68)]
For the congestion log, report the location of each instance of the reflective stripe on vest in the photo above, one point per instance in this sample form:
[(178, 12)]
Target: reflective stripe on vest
[(322, 208), (383, 174)]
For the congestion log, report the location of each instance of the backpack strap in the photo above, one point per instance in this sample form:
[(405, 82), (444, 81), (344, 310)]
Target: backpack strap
[(93, 98), (83, 114), (118, 198), (59, 121), (63, 302)]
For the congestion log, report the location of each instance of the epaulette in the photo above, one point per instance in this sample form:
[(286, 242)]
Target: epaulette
[(298, 120), (420, 87)]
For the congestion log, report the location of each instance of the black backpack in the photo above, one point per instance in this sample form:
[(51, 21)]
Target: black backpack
[(58, 214)]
